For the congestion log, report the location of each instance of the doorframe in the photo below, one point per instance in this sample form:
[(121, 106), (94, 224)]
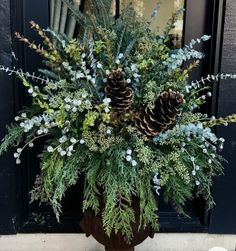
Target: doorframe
[(22, 11)]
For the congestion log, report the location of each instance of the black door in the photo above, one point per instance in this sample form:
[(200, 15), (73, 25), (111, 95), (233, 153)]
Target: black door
[(17, 215)]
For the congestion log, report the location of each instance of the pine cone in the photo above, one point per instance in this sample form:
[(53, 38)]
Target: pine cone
[(151, 122), (121, 96)]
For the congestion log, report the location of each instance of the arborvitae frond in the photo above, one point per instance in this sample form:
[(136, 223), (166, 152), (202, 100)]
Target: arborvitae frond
[(91, 192), (58, 175), (177, 193), (148, 203), (14, 136)]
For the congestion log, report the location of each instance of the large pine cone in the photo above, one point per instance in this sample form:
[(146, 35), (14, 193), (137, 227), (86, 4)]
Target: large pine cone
[(117, 90), (151, 122)]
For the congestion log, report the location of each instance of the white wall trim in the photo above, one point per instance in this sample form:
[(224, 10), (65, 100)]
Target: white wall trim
[(78, 242)]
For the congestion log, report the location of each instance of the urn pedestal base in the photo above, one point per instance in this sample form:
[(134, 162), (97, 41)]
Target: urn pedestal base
[(91, 224), (130, 249)]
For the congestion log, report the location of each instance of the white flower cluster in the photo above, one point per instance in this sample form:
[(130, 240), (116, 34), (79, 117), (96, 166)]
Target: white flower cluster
[(196, 168), (177, 59), (93, 62), (133, 76), (109, 131), (18, 152), (128, 157), (119, 58), (17, 155), (33, 91), (66, 146), (107, 73), (74, 104), (187, 132), (84, 72), (106, 102), (135, 72), (43, 123), (156, 182)]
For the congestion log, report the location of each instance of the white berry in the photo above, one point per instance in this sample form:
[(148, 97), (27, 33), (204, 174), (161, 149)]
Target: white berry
[(50, 149), (128, 158), (129, 151), (134, 163)]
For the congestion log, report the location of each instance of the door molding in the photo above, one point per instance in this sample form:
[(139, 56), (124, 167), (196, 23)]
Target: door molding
[(31, 218)]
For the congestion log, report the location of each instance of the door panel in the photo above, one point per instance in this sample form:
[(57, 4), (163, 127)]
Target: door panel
[(198, 21), (8, 171), (223, 216)]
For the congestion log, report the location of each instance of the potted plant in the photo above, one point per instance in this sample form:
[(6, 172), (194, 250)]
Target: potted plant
[(115, 105)]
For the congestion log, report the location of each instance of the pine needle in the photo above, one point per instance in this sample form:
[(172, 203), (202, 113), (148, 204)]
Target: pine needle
[(14, 135)]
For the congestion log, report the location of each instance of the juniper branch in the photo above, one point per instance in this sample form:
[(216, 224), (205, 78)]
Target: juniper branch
[(14, 136)]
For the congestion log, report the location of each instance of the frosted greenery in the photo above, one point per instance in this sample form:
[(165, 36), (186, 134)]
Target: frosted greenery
[(84, 135)]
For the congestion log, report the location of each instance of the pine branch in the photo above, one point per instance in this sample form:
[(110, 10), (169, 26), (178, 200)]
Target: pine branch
[(14, 136)]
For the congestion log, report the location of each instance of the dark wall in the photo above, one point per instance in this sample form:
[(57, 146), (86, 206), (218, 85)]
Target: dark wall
[(13, 203), (223, 217), (7, 165)]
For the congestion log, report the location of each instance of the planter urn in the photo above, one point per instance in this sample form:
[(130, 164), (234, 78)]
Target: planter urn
[(91, 224)]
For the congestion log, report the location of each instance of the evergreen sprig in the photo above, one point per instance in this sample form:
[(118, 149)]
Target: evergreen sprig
[(115, 63), (13, 137)]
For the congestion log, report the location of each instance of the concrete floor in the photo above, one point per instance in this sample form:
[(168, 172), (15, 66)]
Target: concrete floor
[(78, 242)]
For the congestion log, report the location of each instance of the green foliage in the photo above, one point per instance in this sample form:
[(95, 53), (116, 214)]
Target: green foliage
[(177, 193), (89, 137), (189, 117), (98, 141), (148, 203), (57, 175), (220, 121), (13, 137)]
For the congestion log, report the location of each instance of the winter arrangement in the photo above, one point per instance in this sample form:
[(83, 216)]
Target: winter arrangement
[(116, 105)]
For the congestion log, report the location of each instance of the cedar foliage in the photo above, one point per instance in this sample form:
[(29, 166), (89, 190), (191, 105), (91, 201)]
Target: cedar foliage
[(71, 110)]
